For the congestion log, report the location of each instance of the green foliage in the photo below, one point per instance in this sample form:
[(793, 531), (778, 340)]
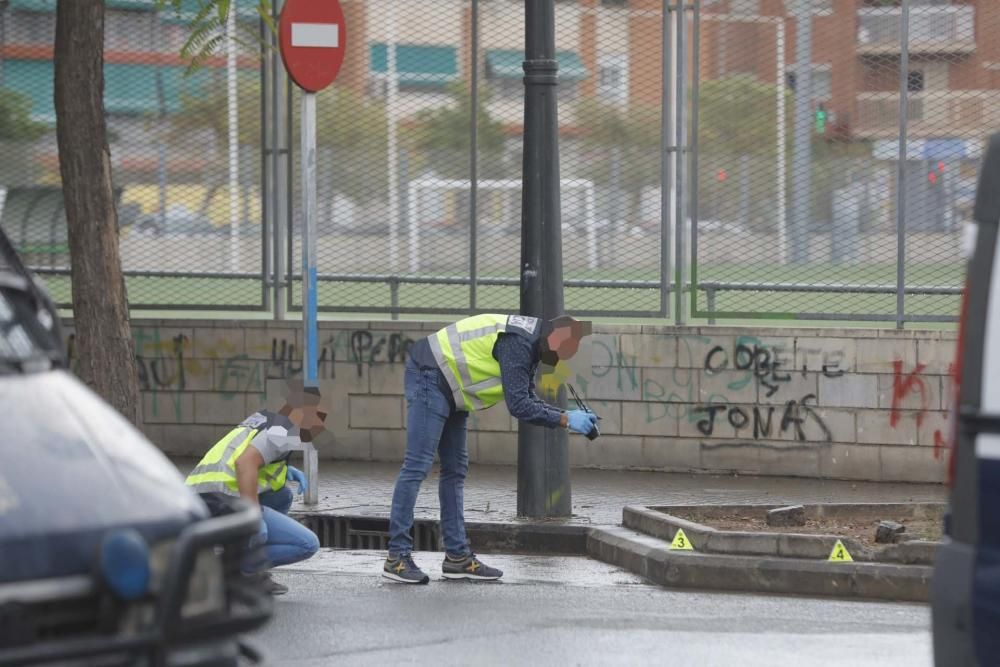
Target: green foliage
[(15, 117), (207, 37), (737, 115), (634, 134), (444, 134), (736, 118), (210, 110), (351, 138)]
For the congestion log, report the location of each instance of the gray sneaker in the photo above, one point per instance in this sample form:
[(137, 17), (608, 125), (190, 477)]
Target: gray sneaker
[(267, 584), (469, 567), (403, 570)]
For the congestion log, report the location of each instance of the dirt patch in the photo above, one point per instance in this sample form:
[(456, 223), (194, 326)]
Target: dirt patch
[(862, 530)]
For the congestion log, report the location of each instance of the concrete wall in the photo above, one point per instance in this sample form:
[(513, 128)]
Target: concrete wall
[(852, 404)]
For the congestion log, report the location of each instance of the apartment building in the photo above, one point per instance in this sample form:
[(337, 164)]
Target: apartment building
[(610, 50), (952, 78)]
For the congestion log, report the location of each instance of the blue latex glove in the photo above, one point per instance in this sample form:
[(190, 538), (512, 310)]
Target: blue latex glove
[(296, 476), (581, 421)]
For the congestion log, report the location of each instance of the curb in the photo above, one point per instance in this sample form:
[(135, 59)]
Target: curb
[(648, 556), (531, 538), (651, 558), (353, 531), (658, 522)]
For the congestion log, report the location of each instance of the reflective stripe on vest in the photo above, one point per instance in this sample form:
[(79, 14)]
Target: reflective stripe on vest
[(216, 472), (464, 353)]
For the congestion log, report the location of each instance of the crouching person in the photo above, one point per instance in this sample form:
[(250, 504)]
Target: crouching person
[(251, 462)]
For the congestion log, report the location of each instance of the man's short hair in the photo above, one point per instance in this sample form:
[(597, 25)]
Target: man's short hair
[(580, 328), (300, 395)]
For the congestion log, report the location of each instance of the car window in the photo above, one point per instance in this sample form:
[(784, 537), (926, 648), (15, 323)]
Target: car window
[(22, 336)]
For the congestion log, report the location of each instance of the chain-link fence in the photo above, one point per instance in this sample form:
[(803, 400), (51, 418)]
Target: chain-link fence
[(770, 128), (420, 205), (815, 200), (185, 154)]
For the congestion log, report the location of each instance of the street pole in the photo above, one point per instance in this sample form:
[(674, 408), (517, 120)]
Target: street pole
[(281, 172), (309, 237), (234, 157), (802, 152), (782, 141), (3, 35), (904, 124), (161, 132), (390, 116), (309, 212), (679, 28), (543, 485)]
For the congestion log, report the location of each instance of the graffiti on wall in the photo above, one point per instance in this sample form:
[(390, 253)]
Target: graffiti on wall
[(750, 363), (914, 384), (754, 395), (167, 364)]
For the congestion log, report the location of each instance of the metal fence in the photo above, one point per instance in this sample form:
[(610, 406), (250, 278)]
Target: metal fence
[(185, 153), (707, 171), (840, 192)]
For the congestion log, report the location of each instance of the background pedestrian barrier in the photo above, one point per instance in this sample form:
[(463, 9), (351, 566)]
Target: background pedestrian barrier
[(720, 160)]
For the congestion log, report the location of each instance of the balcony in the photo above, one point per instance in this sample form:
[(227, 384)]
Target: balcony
[(945, 113), (948, 29)]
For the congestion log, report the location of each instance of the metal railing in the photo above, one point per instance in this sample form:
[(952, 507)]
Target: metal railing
[(794, 200)]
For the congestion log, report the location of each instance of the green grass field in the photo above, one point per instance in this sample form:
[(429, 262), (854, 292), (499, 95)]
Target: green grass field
[(202, 297)]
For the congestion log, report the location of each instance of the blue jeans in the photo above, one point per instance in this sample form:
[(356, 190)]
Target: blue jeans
[(279, 501), (431, 427), (288, 541)]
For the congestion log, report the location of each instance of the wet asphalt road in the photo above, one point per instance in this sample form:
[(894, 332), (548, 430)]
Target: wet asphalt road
[(568, 611)]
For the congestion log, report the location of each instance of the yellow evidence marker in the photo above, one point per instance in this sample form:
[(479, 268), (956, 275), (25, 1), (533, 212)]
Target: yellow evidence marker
[(681, 541), (840, 553)]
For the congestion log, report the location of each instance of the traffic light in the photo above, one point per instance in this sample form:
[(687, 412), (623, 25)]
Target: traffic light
[(934, 176), (821, 119)]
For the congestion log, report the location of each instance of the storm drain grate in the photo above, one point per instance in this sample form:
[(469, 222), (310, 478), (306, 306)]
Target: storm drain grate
[(356, 532)]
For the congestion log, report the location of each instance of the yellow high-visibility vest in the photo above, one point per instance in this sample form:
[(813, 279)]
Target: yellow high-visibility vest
[(464, 353), (216, 472)]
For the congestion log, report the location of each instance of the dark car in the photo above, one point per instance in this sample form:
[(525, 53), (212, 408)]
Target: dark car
[(106, 557), (966, 584)]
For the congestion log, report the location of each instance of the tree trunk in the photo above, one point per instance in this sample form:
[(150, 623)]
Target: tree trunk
[(104, 342)]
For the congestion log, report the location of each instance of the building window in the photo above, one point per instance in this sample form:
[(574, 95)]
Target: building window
[(567, 91), (505, 73), (128, 31), (915, 81), (509, 88), (821, 82), (420, 68), (612, 79), (31, 28), (744, 7)]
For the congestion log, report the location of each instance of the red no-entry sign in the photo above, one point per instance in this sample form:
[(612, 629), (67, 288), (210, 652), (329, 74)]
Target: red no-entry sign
[(312, 38)]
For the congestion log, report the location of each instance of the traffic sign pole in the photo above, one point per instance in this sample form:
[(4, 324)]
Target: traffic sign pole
[(312, 38), (309, 286)]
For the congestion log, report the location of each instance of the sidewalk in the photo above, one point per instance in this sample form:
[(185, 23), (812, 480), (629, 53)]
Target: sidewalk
[(359, 488)]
